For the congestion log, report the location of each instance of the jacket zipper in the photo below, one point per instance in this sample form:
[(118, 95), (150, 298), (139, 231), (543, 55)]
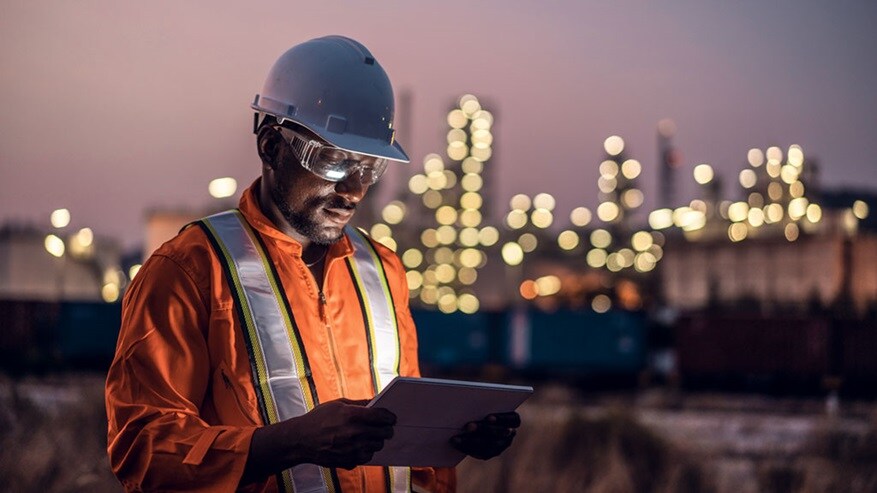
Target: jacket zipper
[(333, 347)]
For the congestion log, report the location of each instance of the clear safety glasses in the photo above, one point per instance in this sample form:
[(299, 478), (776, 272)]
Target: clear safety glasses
[(331, 163)]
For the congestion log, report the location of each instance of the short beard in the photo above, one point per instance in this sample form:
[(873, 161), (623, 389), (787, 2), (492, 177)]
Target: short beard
[(303, 224)]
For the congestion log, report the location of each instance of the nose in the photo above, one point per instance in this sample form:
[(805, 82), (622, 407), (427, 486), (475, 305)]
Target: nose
[(352, 188)]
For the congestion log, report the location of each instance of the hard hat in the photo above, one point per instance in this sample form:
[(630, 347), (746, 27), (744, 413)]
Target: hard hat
[(335, 88)]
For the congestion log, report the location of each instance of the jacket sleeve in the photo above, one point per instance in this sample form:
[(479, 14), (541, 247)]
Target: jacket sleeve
[(157, 439), (429, 479)]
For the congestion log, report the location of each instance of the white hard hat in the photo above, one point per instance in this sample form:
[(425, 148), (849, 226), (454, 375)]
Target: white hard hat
[(335, 88)]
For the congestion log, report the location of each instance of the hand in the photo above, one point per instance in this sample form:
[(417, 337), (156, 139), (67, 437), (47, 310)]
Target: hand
[(341, 433), (489, 437)]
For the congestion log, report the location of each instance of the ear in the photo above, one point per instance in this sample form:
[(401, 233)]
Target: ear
[(269, 143)]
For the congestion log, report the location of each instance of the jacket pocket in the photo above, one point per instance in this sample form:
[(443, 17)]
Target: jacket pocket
[(229, 398)]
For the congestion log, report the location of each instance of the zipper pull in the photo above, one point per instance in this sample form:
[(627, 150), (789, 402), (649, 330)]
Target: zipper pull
[(322, 298), (225, 379)]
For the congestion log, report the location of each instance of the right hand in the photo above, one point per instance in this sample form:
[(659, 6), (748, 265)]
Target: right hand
[(341, 433)]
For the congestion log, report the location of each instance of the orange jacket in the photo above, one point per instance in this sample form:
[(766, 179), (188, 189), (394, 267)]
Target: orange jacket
[(179, 395)]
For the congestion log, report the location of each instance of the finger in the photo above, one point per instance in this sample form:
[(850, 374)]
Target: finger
[(493, 431), (374, 416), (508, 420)]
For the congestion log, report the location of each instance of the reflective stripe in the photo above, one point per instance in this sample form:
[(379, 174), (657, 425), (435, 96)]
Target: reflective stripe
[(276, 352), (383, 333)]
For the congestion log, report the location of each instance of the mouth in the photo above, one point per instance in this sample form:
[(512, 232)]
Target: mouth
[(340, 215)]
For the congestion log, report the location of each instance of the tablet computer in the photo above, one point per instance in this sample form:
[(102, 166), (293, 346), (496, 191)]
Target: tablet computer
[(429, 411)]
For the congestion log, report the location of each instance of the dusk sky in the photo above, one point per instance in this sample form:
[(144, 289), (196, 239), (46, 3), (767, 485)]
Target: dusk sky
[(111, 108)]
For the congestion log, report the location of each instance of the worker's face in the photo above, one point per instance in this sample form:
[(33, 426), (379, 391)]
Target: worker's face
[(316, 208)]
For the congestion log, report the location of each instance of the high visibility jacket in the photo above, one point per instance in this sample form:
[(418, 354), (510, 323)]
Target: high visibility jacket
[(180, 398)]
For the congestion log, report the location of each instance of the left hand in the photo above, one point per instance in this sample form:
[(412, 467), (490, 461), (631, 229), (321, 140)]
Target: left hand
[(488, 437)]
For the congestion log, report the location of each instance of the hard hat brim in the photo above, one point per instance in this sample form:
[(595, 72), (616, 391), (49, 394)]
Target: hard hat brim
[(363, 145)]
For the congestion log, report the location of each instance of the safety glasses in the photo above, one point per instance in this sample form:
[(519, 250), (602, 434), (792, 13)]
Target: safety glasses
[(331, 163)]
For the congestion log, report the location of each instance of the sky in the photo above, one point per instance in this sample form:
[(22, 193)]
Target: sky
[(113, 108)]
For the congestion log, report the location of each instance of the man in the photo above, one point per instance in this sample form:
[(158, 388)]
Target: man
[(251, 341)]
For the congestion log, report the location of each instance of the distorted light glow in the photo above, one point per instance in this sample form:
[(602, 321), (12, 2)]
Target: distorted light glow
[(773, 169), (541, 218), (544, 201), (432, 199), (607, 185), (860, 209), (470, 257), (607, 211), (568, 240), (791, 231), (512, 254), (775, 191), (748, 178), (468, 303), (723, 208), (774, 154), (469, 104), (450, 179), (470, 218), (850, 222), (468, 237), (738, 211), (644, 262), (796, 190), (756, 217), (481, 154), (471, 200), (692, 220), (703, 174), (418, 184), (516, 219), (393, 212), (221, 188), (380, 230), (641, 241), (481, 139), (436, 180), (632, 198), (609, 169), (601, 303), (631, 169), (457, 119), (412, 258), (471, 165), (60, 218), (415, 279), (85, 237), (448, 303), (613, 262), (774, 213), (471, 182), (580, 216), (596, 258), (613, 145), (429, 294), (528, 242), (548, 285), (755, 157), (661, 219), (446, 234), (814, 213), (110, 292), (457, 151), (488, 236), (132, 272), (679, 215), (737, 232), (443, 255), (429, 238), (626, 256), (446, 215), (432, 163), (456, 135), (789, 174), (482, 119), (467, 276), (755, 199), (54, 245), (600, 238), (445, 273), (389, 242), (798, 208), (656, 251), (429, 278), (698, 205), (528, 290), (520, 202), (795, 156)]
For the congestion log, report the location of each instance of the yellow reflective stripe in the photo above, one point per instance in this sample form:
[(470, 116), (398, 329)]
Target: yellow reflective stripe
[(297, 350), (238, 291)]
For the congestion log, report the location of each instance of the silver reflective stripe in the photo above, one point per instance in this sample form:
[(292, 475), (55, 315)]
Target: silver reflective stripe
[(383, 331), (279, 367)]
